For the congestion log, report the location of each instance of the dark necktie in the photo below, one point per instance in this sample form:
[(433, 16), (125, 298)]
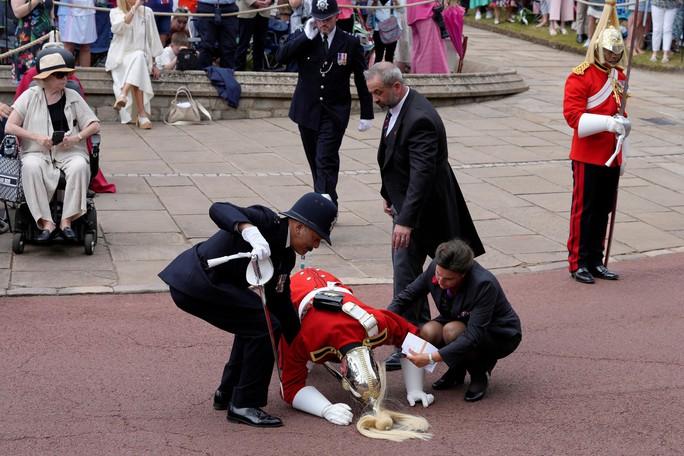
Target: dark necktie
[(325, 44), (385, 124)]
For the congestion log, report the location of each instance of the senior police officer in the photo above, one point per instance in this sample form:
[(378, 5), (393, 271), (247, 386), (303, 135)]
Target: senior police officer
[(218, 33), (221, 295), (326, 57)]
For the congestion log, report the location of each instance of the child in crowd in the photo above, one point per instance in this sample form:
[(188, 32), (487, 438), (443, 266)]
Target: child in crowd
[(169, 56)]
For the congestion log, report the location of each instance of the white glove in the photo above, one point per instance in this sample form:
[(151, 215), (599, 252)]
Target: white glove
[(615, 126), (365, 124), (259, 245), (310, 29), (625, 122), (310, 400), (339, 413), (413, 378)]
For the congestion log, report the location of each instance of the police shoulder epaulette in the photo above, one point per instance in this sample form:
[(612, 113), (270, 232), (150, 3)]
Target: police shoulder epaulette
[(581, 68)]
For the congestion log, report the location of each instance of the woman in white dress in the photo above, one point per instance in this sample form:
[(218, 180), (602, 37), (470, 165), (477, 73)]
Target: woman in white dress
[(135, 44), (77, 26)]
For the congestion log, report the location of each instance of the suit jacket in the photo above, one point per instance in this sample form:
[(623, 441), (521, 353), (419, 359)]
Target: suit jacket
[(323, 82), (479, 302), (227, 283), (418, 181)]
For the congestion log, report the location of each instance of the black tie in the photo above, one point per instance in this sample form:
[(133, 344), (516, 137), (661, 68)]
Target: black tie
[(385, 125), (325, 44)]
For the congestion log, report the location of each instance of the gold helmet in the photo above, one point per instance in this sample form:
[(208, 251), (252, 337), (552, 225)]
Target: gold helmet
[(607, 36)]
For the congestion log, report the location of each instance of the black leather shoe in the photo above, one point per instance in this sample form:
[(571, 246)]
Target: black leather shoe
[(221, 400), (602, 272), (253, 416), (477, 388), (582, 275), (581, 38), (44, 236), (393, 361), (68, 234), (454, 376)]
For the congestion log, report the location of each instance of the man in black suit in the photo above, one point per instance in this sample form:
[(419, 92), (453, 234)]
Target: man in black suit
[(419, 188), (221, 295), (326, 57)]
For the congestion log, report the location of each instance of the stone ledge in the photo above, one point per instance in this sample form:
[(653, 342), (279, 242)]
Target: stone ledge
[(269, 94)]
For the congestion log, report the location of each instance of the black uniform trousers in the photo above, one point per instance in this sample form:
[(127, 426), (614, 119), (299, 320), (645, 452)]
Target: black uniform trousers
[(247, 374), (383, 51), (491, 348), (219, 36), (593, 194), (322, 148), (254, 29)]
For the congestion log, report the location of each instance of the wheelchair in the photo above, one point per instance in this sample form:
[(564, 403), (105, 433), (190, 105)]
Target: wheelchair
[(85, 227)]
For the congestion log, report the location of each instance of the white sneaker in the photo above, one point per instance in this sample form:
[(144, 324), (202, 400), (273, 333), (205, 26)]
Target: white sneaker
[(478, 15), (496, 22), (489, 14), (563, 31), (586, 43), (653, 58)]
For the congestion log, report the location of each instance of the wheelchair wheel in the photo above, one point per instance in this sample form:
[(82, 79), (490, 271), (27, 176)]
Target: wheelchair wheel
[(18, 243), (89, 243)]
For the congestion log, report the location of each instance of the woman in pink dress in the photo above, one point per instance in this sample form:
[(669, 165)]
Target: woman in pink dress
[(428, 52)]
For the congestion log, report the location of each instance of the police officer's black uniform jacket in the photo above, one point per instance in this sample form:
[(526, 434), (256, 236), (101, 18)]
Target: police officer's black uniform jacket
[(226, 284), (323, 82)]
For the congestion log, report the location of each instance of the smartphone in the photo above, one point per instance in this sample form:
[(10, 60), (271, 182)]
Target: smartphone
[(57, 137)]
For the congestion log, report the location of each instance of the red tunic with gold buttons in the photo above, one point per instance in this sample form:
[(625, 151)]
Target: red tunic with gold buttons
[(323, 333), (592, 89)]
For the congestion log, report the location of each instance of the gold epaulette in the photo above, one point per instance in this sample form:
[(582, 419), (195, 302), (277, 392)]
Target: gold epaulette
[(581, 68)]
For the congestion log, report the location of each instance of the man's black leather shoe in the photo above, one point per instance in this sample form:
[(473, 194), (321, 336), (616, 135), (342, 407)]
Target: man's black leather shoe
[(393, 361), (221, 400), (477, 388), (44, 236), (253, 416), (454, 376), (582, 275), (581, 38), (68, 234), (602, 272)]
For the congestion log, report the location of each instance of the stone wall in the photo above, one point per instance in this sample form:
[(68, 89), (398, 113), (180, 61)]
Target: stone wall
[(269, 94)]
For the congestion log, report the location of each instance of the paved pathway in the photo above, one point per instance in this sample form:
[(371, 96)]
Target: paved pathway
[(509, 156)]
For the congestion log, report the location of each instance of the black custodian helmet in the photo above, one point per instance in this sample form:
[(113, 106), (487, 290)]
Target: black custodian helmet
[(315, 211)]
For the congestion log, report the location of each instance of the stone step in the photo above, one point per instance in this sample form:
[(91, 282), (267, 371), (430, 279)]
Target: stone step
[(268, 94)]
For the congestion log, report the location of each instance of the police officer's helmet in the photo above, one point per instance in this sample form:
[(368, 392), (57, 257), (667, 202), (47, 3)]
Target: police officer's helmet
[(323, 9), (315, 211), (54, 60)]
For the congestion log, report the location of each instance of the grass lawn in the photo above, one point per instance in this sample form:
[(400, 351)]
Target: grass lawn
[(567, 42)]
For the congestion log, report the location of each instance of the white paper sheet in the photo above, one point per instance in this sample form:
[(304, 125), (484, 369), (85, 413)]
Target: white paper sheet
[(418, 345)]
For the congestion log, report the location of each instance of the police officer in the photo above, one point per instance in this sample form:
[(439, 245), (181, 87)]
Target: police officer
[(218, 33), (221, 296), (326, 57)]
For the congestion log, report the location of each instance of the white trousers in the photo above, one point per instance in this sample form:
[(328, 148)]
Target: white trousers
[(40, 178), (663, 20), (134, 71)]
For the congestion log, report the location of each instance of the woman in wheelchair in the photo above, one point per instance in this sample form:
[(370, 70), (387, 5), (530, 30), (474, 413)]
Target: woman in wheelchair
[(52, 123)]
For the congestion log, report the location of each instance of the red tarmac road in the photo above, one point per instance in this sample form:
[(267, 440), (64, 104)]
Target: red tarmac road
[(600, 371)]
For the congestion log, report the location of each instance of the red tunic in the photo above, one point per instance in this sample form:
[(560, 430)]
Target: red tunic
[(323, 329), (579, 89)]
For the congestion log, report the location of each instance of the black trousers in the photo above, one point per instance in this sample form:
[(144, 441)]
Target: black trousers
[(491, 348), (383, 51), (322, 148), (593, 194), (218, 38), (247, 374), (254, 29)]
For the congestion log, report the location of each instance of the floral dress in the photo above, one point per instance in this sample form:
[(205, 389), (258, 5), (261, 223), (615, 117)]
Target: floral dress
[(29, 28)]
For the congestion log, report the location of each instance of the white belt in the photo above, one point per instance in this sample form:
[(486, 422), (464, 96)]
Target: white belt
[(366, 319)]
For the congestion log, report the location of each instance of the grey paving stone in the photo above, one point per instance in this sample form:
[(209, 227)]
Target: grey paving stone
[(60, 278), (659, 195), (531, 243), (196, 154), (204, 168), (148, 252), (667, 221), (196, 226), (142, 239), (127, 202), (499, 227), (126, 184), (379, 251), (555, 202), (491, 197), (4, 280), (136, 222), (168, 181), (138, 167), (524, 185), (140, 273), (183, 200), (642, 237), (5, 259), (58, 258)]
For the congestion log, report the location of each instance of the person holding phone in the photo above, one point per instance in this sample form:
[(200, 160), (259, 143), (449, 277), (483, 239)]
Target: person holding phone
[(53, 122)]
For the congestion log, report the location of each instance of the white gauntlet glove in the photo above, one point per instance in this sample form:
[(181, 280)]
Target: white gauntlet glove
[(310, 400), (339, 413), (310, 29), (365, 124), (413, 379), (259, 245), (590, 124), (625, 122)]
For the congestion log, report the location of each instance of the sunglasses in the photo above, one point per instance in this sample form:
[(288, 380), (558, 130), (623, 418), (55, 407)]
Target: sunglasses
[(59, 74)]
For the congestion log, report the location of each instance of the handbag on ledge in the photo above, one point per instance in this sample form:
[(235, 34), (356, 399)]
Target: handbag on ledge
[(184, 110)]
